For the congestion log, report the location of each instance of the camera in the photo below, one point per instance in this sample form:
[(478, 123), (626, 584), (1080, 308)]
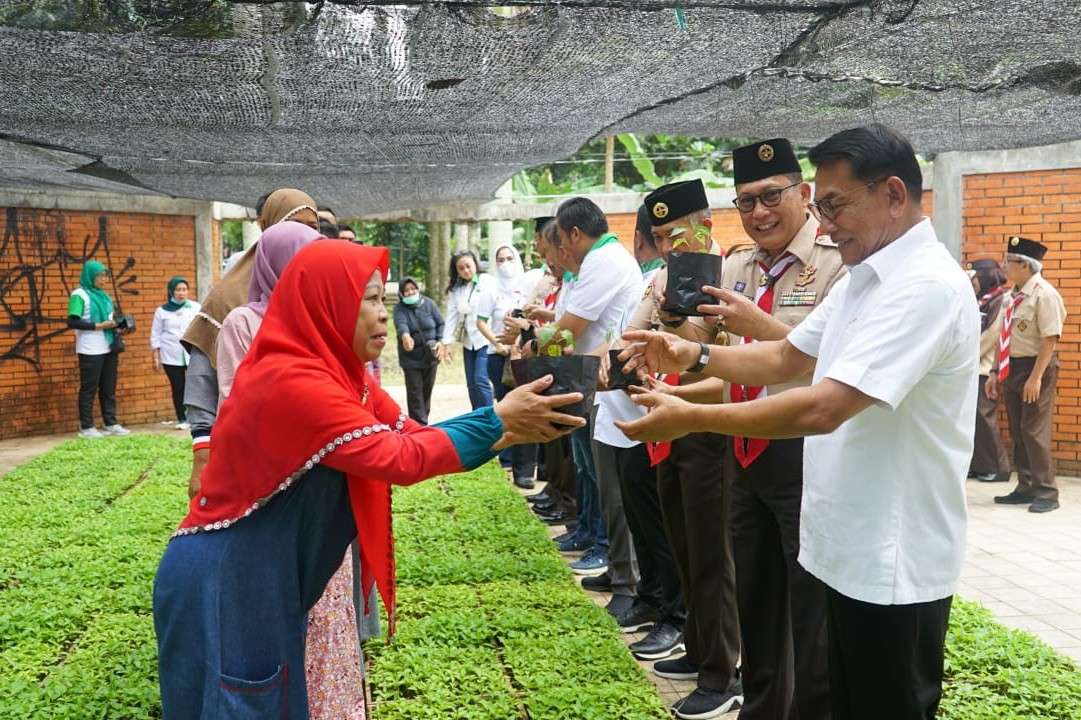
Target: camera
[(126, 322), (517, 313)]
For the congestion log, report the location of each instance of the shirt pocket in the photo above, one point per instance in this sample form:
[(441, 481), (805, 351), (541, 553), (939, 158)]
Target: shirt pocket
[(254, 699)]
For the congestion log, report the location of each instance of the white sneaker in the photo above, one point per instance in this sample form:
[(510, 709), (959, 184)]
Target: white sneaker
[(116, 430), (91, 433), (183, 426)]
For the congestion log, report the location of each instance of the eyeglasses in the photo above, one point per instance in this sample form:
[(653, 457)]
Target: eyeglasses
[(770, 198), (829, 208)]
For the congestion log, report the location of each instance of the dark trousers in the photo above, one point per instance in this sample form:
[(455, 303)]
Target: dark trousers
[(560, 476), (886, 660), (693, 488), (176, 375), (658, 583), (97, 376), (418, 391), (988, 454), (782, 607), (1030, 428), (622, 565)]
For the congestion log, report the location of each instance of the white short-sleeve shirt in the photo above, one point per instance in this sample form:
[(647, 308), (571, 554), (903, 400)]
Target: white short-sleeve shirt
[(883, 517), (608, 286)]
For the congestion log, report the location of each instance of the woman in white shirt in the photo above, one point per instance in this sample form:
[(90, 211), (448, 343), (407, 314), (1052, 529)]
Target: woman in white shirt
[(470, 304), (171, 321)]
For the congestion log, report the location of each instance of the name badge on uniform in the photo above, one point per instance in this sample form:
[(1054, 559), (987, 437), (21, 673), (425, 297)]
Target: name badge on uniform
[(799, 297), (741, 286)]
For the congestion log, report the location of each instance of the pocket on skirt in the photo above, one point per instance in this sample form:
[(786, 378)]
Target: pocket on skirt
[(255, 699)]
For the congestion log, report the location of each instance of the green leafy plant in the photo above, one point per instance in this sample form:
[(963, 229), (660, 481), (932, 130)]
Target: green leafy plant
[(554, 342)]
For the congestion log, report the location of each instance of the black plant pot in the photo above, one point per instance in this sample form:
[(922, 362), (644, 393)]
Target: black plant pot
[(617, 379), (572, 373), (687, 273)]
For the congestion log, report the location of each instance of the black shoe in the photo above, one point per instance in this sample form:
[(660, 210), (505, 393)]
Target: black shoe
[(676, 669), (663, 640), (525, 483), (564, 537), (619, 604), (1014, 498), (637, 617), (558, 518), (1043, 505), (546, 508), (705, 704), (598, 583), (991, 477), (540, 497)]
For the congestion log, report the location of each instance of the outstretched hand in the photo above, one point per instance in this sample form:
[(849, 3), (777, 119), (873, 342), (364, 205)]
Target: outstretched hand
[(668, 418), (657, 352), (529, 417)]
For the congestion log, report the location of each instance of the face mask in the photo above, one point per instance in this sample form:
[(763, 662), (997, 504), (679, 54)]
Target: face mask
[(411, 299), (506, 270)]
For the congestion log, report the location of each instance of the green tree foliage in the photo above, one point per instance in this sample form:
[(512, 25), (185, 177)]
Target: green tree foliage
[(408, 243)]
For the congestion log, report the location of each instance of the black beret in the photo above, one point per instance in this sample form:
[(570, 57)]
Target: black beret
[(675, 200), (1023, 246), (764, 159)]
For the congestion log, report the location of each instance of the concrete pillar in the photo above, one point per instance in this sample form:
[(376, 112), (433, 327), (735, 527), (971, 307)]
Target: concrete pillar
[(251, 233), (500, 232), (475, 237), (206, 258), (438, 259), (461, 236)]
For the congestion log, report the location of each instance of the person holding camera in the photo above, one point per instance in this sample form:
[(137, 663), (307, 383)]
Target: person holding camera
[(420, 330), (98, 345)]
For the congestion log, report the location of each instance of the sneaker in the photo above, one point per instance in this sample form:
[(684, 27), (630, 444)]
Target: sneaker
[(1014, 498), (676, 669), (705, 704), (91, 433), (117, 429), (662, 641), (593, 562), (637, 617), (598, 583), (185, 425), (619, 604), (1043, 505), (563, 537), (576, 544)]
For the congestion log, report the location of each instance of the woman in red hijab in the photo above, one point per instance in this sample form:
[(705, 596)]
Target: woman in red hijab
[(306, 450)]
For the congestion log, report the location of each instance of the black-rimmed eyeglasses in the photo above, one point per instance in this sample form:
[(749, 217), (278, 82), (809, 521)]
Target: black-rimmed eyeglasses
[(770, 198), (829, 208)]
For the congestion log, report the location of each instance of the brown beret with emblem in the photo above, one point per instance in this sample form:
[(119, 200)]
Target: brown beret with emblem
[(764, 159), (675, 200), (1023, 246)]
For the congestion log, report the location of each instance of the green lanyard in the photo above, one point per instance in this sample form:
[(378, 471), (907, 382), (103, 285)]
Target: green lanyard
[(654, 264), (606, 239)]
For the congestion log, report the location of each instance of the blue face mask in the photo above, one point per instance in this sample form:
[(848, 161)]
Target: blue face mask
[(411, 299)]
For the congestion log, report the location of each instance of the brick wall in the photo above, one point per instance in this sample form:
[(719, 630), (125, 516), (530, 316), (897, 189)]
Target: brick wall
[(1044, 206), (41, 256)]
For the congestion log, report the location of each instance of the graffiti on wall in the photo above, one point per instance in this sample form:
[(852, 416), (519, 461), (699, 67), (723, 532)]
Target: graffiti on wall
[(39, 267)]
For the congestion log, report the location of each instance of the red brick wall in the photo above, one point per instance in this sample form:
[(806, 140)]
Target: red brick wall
[(1044, 206), (41, 256)]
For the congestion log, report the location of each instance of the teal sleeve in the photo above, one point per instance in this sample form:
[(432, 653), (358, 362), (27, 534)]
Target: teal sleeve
[(473, 435)]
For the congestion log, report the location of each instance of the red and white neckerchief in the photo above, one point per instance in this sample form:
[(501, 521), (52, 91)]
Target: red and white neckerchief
[(659, 451), (748, 449), (1004, 337)]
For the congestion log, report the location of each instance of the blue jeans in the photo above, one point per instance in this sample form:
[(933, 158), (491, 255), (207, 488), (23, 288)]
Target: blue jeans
[(590, 520), (476, 377)]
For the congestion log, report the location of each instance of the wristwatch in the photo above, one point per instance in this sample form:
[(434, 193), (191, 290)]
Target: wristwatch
[(703, 359)]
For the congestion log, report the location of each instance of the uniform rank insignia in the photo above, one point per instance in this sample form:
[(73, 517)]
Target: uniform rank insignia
[(799, 297), (741, 286), (807, 276), (1022, 325)]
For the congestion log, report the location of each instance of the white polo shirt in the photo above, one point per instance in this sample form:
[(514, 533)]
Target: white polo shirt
[(608, 286), (883, 517)]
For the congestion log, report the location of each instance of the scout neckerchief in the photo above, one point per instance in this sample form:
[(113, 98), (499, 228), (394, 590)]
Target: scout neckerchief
[(1004, 337), (659, 451), (101, 305), (748, 449)]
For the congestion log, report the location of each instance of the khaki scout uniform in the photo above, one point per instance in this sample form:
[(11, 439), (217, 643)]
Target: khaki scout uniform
[(988, 454), (1040, 315), (782, 608), (693, 488)]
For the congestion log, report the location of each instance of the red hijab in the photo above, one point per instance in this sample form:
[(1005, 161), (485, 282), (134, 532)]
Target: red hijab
[(300, 391)]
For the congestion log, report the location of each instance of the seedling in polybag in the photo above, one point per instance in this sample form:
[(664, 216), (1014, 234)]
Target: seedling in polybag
[(553, 342)]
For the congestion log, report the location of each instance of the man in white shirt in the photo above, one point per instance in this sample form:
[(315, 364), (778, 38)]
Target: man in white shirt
[(888, 419), (605, 287)]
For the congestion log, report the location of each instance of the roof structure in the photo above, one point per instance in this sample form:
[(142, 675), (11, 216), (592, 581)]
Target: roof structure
[(373, 107)]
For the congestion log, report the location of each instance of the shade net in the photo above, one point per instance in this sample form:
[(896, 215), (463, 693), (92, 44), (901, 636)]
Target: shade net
[(374, 107)]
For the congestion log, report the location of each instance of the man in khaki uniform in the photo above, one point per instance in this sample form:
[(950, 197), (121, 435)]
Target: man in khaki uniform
[(769, 288), (1030, 323), (692, 484)]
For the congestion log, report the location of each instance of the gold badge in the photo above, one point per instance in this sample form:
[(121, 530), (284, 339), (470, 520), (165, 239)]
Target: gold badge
[(648, 292), (764, 280), (660, 211), (807, 276), (1015, 241), (1022, 325), (765, 152), (970, 266)]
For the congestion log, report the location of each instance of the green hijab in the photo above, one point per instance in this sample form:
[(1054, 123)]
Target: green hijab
[(172, 305), (101, 305)]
